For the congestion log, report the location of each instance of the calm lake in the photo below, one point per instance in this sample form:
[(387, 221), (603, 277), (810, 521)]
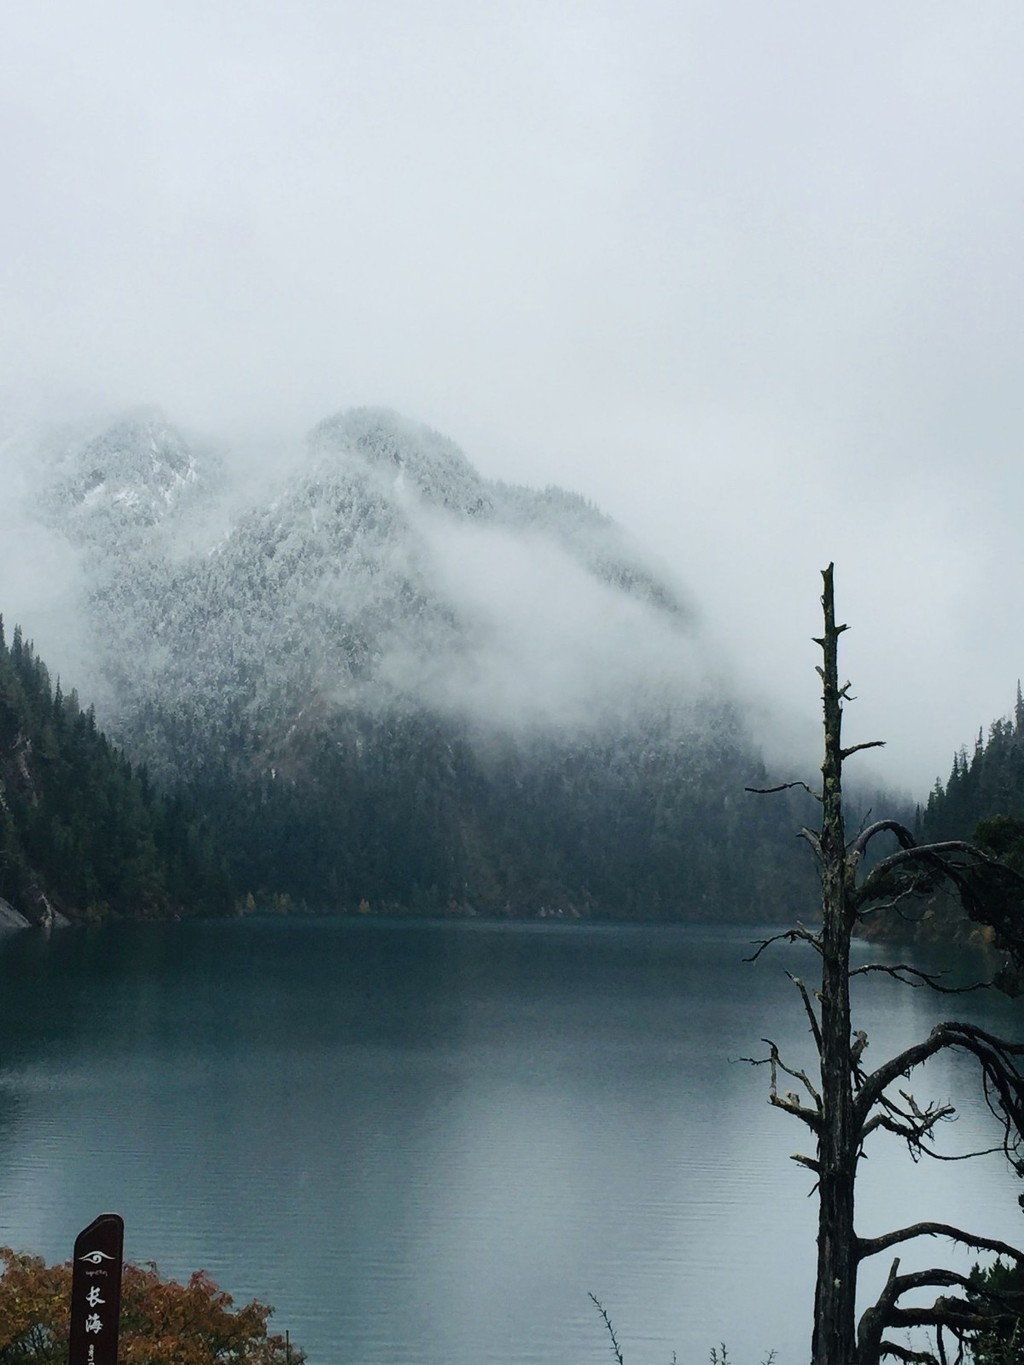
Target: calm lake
[(425, 1144)]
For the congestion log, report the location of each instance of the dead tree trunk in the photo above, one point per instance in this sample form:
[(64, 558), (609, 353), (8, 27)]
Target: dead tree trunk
[(836, 1284), (845, 1105)]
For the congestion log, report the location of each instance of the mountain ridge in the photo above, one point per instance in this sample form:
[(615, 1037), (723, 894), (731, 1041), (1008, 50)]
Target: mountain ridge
[(399, 683)]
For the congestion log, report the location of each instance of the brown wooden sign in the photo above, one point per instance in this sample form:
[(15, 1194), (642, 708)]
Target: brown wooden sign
[(96, 1292)]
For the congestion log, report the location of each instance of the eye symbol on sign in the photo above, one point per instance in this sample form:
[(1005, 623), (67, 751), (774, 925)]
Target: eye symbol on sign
[(95, 1257)]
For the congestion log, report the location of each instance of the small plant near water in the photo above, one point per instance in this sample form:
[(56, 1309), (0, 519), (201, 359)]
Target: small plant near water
[(718, 1356)]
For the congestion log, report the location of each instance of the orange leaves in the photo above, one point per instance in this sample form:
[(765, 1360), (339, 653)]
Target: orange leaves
[(35, 1302), (162, 1322)]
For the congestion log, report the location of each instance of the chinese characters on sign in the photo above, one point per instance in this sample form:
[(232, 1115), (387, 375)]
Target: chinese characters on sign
[(96, 1292)]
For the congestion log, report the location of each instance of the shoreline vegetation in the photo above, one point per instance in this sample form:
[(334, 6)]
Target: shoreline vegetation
[(197, 1320)]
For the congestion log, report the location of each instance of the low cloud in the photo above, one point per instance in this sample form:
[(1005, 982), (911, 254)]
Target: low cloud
[(544, 642)]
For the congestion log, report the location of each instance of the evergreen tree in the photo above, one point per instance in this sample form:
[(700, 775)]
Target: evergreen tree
[(80, 832)]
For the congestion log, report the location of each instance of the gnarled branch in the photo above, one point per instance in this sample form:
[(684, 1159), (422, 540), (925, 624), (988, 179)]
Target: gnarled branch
[(1004, 1083), (787, 936), (783, 787), (903, 835), (904, 973), (958, 1315), (909, 891), (871, 1246), (789, 1100), (935, 857)]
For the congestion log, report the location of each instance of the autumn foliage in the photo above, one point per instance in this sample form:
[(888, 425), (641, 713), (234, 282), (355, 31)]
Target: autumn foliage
[(162, 1322)]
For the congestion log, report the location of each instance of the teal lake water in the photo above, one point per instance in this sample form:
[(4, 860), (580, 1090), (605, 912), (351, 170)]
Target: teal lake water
[(426, 1144)]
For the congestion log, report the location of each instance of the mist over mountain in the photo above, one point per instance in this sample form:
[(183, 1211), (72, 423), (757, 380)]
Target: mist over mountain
[(398, 683), (385, 573)]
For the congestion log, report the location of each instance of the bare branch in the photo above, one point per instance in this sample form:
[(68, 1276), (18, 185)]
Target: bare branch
[(876, 1082), (908, 892), (943, 849), (915, 1134), (787, 936), (871, 1246), (808, 1010), (913, 1124), (902, 972), (906, 839), (857, 1049), (807, 1161), (856, 748), (789, 1100), (783, 787), (875, 1319), (976, 892), (993, 1053), (957, 1315), (892, 1348), (836, 630), (811, 837)]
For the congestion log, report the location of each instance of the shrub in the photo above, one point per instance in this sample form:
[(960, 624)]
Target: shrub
[(162, 1322)]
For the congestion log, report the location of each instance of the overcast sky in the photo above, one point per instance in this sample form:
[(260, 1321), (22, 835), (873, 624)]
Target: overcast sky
[(748, 275)]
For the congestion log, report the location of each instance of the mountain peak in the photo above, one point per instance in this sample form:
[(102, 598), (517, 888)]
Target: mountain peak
[(129, 474), (397, 448)]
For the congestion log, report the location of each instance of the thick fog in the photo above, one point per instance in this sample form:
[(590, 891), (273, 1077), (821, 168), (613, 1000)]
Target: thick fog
[(744, 275), (377, 570), (548, 644)]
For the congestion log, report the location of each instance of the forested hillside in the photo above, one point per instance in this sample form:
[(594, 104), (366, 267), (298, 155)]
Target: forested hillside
[(982, 802), (402, 815), (81, 833), (982, 785), (409, 814), (389, 684), (380, 683)]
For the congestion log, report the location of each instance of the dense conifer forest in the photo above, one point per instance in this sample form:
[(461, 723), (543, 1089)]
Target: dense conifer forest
[(82, 834), (982, 785), (399, 814), (981, 802), (408, 814)]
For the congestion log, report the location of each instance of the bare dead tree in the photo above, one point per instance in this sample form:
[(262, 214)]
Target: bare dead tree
[(844, 1105)]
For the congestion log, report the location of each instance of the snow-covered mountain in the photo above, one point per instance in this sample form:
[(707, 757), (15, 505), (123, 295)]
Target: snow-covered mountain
[(116, 484), (385, 573), (396, 680)]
